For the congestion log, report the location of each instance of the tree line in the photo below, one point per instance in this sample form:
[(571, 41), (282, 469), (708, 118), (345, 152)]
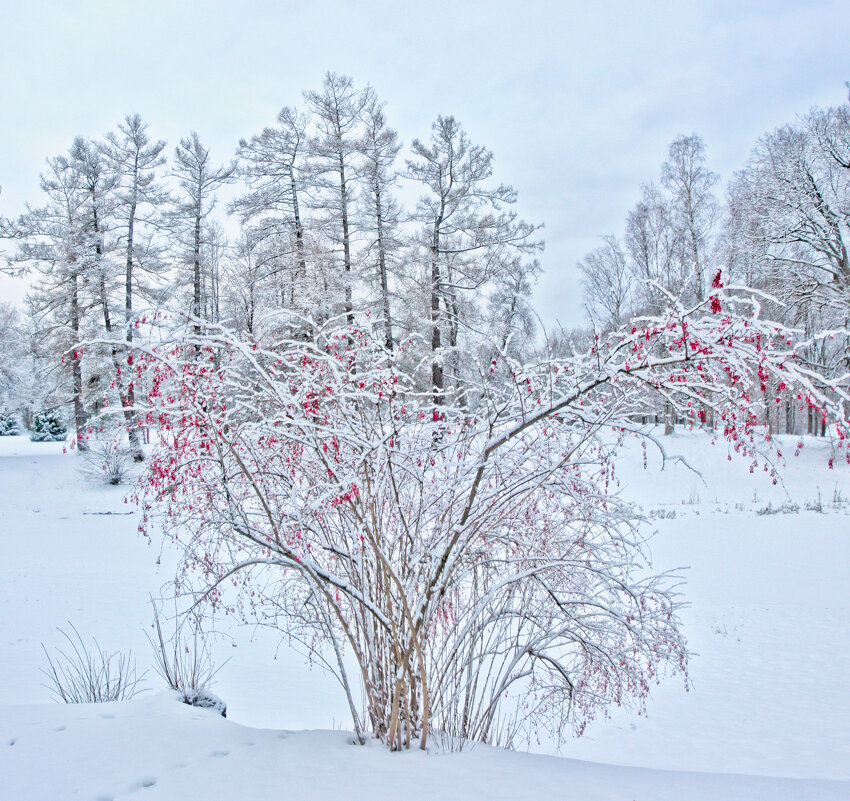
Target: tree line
[(783, 229), (317, 229)]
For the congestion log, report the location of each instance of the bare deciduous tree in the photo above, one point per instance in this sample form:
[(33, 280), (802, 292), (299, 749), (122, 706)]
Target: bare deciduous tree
[(607, 284), (694, 209)]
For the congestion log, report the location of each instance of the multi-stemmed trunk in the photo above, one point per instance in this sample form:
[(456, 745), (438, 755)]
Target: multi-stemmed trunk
[(391, 658)]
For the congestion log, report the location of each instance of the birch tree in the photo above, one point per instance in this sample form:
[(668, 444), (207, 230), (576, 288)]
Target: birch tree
[(652, 245), (797, 189), (694, 209), (607, 283), (790, 229)]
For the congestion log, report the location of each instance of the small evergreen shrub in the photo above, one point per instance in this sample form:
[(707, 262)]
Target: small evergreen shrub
[(8, 424), (47, 427)]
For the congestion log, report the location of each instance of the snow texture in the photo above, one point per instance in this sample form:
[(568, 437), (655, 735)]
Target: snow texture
[(767, 716)]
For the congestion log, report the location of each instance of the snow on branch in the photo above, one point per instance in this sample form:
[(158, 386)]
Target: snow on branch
[(474, 557)]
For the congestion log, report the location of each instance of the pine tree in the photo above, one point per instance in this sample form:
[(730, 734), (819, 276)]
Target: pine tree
[(8, 423), (47, 427), (380, 147), (273, 250)]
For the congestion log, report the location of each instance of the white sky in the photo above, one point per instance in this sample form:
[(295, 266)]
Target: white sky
[(578, 100)]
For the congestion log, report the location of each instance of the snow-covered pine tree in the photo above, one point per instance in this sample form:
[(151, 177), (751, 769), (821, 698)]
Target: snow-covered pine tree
[(47, 426), (8, 423), (273, 268), (381, 214), (335, 168)]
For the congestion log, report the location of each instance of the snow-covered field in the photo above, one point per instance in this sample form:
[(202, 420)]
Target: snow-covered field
[(767, 716)]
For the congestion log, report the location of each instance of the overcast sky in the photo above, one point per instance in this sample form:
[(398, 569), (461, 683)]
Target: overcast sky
[(578, 101)]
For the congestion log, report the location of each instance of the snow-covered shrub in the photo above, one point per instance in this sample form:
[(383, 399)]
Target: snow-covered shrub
[(787, 508), (108, 461), (8, 424), (471, 554), (83, 676), (185, 662), (207, 700), (47, 427)]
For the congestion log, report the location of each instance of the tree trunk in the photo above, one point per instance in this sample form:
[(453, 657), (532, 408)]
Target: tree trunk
[(346, 244), (130, 394), (299, 230), (76, 368), (126, 401), (196, 274), (436, 366), (382, 267), (669, 419)]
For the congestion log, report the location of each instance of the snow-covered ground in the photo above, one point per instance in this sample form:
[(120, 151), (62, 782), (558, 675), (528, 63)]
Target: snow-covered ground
[(767, 716)]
